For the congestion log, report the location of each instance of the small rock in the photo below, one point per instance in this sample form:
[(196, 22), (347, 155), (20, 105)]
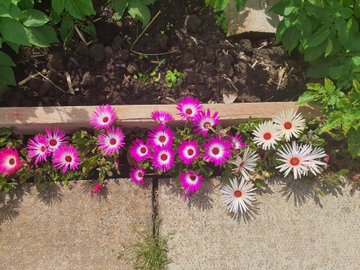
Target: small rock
[(193, 23), (124, 55), (86, 79), (246, 46), (193, 78), (45, 88), (97, 52), (163, 41), (35, 83), (56, 62), (81, 49), (209, 69), (248, 98), (132, 68), (188, 59), (225, 65), (75, 100), (108, 52)]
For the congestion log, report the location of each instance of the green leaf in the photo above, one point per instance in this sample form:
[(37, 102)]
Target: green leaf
[(67, 28), (13, 31), (26, 4), (119, 6), (318, 37), (58, 5), (139, 11), (5, 60), (329, 47), (218, 5), (41, 36), (7, 76), (240, 4), (14, 46), (12, 12), (312, 53), (306, 97), (79, 8), (354, 141), (35, 18), (290, 38)]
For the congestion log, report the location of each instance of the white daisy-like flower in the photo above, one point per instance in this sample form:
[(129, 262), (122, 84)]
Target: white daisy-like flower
[(300, 159), (314, 163), (238, 196), (293, 159), (246, 164), (266, 135), (289, 123)]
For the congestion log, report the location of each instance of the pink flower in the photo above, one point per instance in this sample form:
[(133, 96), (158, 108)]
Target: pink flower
[(191, 181), (66, 157), (237, 141), (137, 174), (97, 188), (163, 158), (9, 161), (162, 117), (139, 150), (188, 151), (111, 141), (204, 120), (56, 139), (161, 136), (38, 148), (103, 117), (217, 150), (189, 107)]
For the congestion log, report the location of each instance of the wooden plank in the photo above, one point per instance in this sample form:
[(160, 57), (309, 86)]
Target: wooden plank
[(29, 120)]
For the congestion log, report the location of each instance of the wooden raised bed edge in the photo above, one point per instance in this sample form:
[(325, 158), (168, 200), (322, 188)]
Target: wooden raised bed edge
[(30, 120)]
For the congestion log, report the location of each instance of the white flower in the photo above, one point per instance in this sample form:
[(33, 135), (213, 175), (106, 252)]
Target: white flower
[(314, 163), (289, 123), (266, 134), (245, 164), (300, 159), (238, 196)]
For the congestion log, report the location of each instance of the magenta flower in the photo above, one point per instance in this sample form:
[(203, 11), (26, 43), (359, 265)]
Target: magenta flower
[(189, 107), (204, 120), (139, 150), (217, 150), (9, 161), (66, 157), (56, 139), (111, 141), (103, 117), (137, 175), (161, 136), (237, 141), (97, 188), (38, 148), (163, 158), (162, 117), (191, 181), (188, 151)]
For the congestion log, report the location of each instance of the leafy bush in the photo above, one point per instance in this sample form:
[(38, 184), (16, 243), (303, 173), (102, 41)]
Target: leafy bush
[(138, 9), (20, 24), (173, 78), (71, 12), (220, 6), (342, 111), (326, 32)]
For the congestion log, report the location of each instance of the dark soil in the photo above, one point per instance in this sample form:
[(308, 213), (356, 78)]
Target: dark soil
[(184, 37)]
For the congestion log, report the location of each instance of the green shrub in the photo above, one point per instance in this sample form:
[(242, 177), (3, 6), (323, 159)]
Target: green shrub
[(20, 24), (341, 110), (138, 9), (326, 32)]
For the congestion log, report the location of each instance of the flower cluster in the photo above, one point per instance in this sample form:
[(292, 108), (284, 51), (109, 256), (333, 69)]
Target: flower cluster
[(163, 150), (191, 152)]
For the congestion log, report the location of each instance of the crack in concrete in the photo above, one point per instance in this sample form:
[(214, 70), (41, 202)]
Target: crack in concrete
[(155, 204)]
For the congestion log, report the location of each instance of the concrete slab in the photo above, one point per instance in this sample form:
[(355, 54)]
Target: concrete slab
[(256, 17), (69, 229), (292, 229)]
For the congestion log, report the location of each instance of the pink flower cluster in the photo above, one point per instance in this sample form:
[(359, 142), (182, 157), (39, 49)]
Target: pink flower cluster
[(160, 150)]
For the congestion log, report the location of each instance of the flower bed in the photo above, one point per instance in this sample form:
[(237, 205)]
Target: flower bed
[(244, 153)]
